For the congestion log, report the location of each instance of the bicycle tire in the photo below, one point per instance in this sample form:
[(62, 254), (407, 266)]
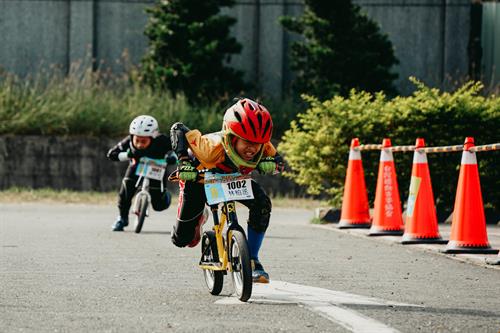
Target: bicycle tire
[(241, 271), (141, 214), (213, 279)]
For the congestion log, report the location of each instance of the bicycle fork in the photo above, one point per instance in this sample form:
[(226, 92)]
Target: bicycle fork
[(223, 247), (143, 192)]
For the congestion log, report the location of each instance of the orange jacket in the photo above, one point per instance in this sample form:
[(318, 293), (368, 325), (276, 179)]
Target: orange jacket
[(208, 149)]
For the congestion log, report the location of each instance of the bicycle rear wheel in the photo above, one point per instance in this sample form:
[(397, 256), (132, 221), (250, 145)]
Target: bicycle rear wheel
[(213, 279), (241, 267), (141, 214)]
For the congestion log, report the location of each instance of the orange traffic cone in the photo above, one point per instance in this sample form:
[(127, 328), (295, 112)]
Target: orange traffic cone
[(468, 227), (355, 208), (421, 224), (387, 218)]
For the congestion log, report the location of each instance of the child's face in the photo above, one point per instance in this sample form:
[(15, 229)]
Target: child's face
[(246, 149), (141, 142)]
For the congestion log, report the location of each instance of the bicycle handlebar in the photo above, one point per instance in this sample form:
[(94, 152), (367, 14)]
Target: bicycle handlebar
[(123, 156), (174, 176)]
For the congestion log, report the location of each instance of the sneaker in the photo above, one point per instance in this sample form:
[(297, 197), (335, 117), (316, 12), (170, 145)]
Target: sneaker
[(199, 228), (259, 275), (120, 223)]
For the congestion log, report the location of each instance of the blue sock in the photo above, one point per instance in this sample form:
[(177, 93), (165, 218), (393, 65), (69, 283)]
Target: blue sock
[(254, 242), (168, 198)]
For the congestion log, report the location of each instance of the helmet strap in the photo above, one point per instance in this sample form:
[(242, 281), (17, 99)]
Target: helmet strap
[(237, 160)]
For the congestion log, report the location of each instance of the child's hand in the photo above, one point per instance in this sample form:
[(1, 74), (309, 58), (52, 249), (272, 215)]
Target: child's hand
[(271, 165), (171, 159), (280, 164), (267, 165), (187, 171)]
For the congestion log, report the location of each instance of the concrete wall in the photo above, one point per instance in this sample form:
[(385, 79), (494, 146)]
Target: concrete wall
[(40, 34), (119, 28), (33, 34), (58, 162), (491, 42), (80, 164), (430, 36)]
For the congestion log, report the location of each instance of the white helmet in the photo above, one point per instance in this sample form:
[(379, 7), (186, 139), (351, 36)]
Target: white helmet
[(144, 126)]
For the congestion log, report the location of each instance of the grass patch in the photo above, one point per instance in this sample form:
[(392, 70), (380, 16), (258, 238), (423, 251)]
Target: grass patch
[(302, 203), (89, 105), (47, 195), (317, 220), (99, 104)]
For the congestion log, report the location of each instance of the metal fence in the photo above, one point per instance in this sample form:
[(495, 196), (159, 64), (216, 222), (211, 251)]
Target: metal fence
[(430, 37), (490, 37)]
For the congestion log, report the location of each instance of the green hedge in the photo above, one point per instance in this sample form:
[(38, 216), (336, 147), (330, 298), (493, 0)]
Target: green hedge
[(317, 144), (95, 105)]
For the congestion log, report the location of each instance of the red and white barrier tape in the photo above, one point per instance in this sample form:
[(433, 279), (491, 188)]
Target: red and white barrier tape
[(441, 149)]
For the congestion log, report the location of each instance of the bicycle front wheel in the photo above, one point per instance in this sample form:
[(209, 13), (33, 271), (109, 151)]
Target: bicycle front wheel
[(241, 267), (213, 279), (141, 214)]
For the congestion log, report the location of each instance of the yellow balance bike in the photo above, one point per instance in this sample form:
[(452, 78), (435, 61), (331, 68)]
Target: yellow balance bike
[(224, 249)]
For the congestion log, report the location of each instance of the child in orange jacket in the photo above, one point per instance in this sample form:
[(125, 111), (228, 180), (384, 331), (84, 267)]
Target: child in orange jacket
[(242, 146)]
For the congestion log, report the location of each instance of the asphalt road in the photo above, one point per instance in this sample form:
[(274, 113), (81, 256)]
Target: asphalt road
[(63, 270)]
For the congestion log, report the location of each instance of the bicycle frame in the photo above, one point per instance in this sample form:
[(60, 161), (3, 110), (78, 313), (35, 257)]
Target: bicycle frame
[(228, 216), (144, 191), (143, 175)]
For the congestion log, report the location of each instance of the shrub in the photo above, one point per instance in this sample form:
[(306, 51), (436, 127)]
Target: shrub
[(317, 144), (341, 49), (189, 47)]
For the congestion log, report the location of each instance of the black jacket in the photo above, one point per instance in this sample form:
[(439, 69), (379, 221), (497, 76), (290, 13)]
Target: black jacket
[(160, 146)]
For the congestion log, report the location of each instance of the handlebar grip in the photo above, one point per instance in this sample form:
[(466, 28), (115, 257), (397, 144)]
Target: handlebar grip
[(123, 156)]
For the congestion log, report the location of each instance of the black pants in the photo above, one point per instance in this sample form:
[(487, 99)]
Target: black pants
[(192, 201), (159, 200)]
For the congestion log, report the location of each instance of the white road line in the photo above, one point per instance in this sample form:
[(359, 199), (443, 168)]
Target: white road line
[(329, 304), (351, 320)]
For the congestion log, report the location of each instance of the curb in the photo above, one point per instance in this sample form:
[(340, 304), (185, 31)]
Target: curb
[(482, 260)]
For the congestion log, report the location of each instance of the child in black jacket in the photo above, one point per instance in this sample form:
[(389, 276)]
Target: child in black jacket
[(144, 141)]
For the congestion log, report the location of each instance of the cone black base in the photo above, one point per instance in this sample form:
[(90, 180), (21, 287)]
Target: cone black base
[(474, 250), (413, 240), (343, 224), (381, 232)]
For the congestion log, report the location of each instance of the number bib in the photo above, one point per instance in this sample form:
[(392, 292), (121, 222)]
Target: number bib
[(151, 168), (227, 187)]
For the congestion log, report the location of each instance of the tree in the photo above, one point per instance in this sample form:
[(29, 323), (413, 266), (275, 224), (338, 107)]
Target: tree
[(341, 49), (189, 47)]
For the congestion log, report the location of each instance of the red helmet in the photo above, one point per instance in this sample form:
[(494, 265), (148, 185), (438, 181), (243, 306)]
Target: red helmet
[(248, 120)]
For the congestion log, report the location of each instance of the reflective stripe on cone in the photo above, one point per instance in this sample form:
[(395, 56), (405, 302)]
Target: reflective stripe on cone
[(421, 226), (387, 219)]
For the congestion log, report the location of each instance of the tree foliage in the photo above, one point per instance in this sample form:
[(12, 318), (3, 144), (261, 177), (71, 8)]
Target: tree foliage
[(341, 49), (189, 48), (317, 145)]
